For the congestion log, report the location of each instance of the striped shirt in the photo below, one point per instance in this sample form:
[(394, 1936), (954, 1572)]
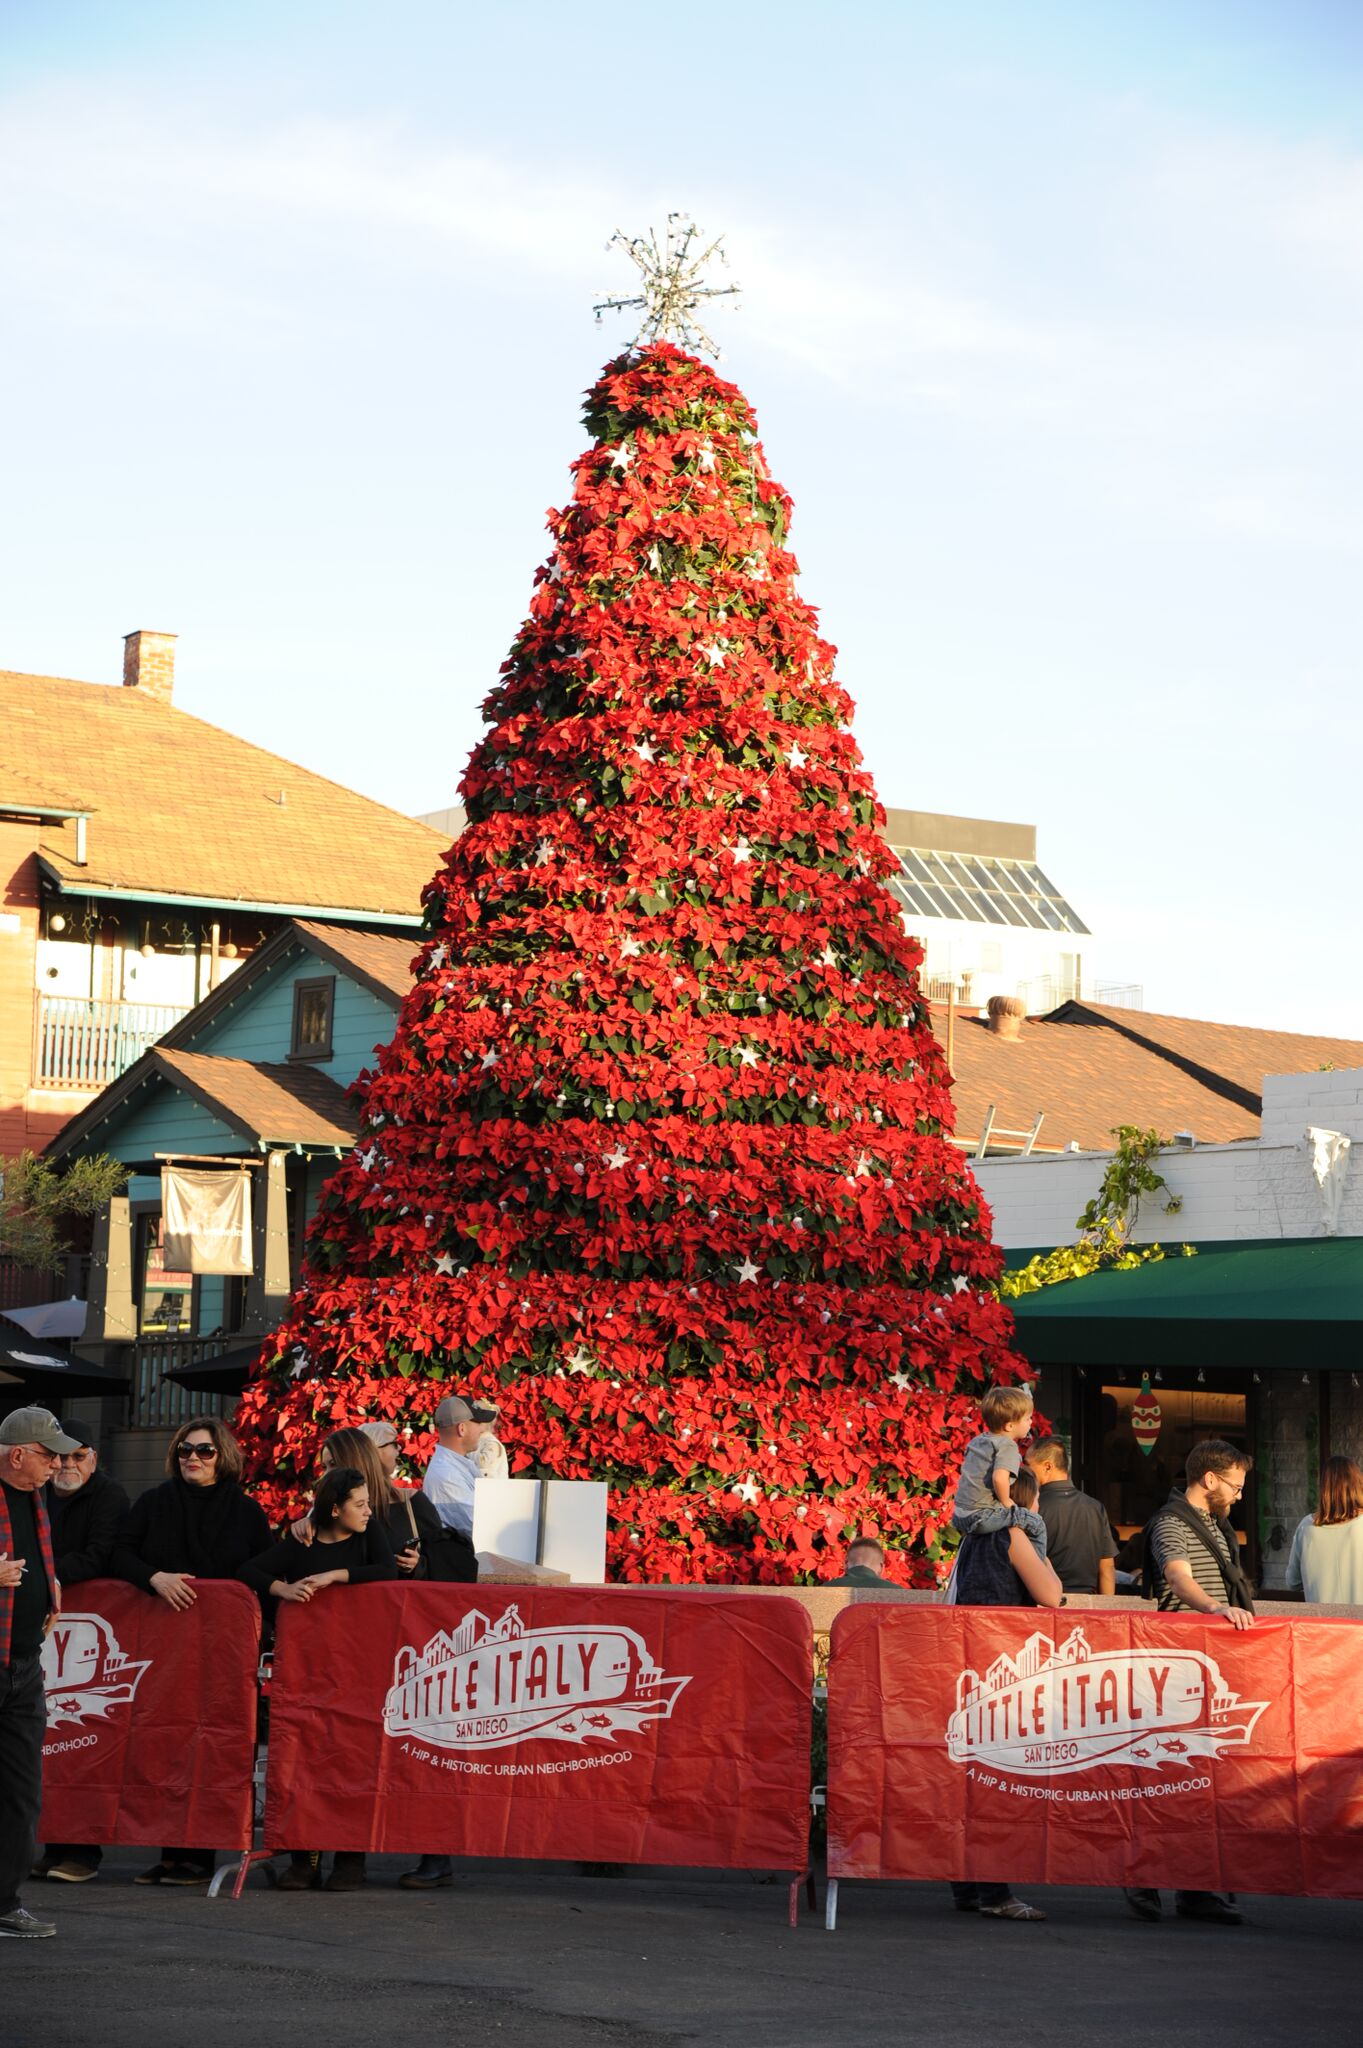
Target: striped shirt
[(1171, 1538)]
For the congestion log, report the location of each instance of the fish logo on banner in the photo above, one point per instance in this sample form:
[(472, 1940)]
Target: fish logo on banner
[(1052, 1710), (85, 1673), (486, 1685)]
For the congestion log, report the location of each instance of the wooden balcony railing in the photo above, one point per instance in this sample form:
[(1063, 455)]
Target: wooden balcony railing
[(84, 1043), (158, 1403)]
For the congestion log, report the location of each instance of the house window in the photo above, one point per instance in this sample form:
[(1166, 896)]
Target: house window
[(313, 1002), (165, 1296)]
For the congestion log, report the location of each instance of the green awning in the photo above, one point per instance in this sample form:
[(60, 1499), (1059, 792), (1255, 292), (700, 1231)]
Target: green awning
[(1290, 1303)]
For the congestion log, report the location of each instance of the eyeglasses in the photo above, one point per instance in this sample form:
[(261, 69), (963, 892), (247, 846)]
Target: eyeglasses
[(205, 1451), (73, 1457)]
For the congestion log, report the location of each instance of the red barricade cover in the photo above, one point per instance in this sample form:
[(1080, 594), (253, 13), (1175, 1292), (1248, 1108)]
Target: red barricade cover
[(151, 1717), (1089, 1747), (566, 1722)]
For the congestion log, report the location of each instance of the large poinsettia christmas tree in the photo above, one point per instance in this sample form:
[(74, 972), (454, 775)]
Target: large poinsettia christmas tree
[(659, 1154)]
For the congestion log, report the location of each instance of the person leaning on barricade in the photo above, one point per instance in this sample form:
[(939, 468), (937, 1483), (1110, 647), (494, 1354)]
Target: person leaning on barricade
[(1192, 1563), (349, 1547), (412, 1525), (88, 1510), (198, 1524)]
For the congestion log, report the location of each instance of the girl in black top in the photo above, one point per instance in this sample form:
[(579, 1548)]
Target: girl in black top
[(413, 1527), (349, 1547), (197, 1525)]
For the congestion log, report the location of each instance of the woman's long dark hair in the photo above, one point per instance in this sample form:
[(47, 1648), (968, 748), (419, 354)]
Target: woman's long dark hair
[(352, 1448), (333, 1493)]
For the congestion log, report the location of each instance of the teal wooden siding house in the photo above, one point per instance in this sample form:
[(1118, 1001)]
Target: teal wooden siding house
[(256, 1075)]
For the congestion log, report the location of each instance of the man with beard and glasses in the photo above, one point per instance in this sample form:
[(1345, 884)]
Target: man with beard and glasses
[(1193, 1565)]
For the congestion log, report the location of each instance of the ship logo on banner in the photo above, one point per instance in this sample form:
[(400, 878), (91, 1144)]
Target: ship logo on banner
[(85, 1673), (1052, 1710), (487, 1685)]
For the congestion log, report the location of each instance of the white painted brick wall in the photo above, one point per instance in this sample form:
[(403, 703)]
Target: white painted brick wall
[(1261, 1189)]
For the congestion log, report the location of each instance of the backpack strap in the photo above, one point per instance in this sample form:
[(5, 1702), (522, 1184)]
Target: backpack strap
[(1232, 1578)]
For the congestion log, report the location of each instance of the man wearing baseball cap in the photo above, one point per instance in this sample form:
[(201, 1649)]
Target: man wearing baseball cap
[(86, 1508), (450, 1479), (32, 1444), (453, 1471)]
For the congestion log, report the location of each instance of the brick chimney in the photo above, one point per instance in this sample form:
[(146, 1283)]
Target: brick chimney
[(149, 664), (1005, 1016)]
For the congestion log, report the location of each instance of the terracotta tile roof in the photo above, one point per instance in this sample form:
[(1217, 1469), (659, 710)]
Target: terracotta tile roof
[(182, 809), (25, 793), (294, 1105), (379, 958), (1083, 1067), (1233, 1057)]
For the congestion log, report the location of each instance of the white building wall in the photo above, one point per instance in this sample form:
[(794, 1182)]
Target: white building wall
[(1263, 1188)]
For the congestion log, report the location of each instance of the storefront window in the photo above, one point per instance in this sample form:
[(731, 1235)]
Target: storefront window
[(1143, 1441)]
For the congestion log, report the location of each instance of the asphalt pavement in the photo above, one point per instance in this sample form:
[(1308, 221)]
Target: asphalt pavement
[(550, 1957)]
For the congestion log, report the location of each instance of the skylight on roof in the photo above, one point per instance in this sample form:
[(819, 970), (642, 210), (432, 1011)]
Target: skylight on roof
[(981, 890)]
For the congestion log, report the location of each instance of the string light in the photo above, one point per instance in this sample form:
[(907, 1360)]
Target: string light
[(671, 285)]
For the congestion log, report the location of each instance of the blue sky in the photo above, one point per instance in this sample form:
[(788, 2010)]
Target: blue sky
[(1053, 319)]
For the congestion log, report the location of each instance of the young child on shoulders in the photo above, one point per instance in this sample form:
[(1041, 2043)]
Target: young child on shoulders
[(984, 1496)]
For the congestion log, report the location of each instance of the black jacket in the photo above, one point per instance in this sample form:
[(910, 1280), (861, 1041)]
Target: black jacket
[(209, 1532), (447, 1555), (367, 1558), (85, 1528)]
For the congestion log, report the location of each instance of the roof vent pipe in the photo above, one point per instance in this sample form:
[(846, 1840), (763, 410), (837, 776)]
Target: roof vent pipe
[(1005, 1016)]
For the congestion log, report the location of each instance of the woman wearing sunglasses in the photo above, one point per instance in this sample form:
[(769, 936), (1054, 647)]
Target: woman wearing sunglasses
[(198, 1524)]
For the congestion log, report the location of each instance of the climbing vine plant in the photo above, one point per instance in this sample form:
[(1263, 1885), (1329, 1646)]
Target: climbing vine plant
[(1107, 1222)]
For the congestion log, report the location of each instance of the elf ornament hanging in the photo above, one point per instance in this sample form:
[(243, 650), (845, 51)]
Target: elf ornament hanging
[(659, 1156), (1147, 1417)]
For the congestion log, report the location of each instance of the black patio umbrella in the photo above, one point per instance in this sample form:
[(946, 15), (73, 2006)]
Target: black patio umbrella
[(49, 1371), (226, 1374)]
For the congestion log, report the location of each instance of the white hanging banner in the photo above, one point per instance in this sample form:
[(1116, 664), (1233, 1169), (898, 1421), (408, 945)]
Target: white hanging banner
[(207, 1218), (1330, 1166)]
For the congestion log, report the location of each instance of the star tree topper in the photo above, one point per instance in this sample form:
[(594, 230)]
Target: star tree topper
[(672, 287)]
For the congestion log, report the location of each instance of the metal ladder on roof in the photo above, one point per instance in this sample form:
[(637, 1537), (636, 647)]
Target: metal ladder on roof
[(990, 1130)]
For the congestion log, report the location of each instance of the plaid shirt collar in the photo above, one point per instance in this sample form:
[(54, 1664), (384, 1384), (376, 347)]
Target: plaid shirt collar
[(44, 1527)]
